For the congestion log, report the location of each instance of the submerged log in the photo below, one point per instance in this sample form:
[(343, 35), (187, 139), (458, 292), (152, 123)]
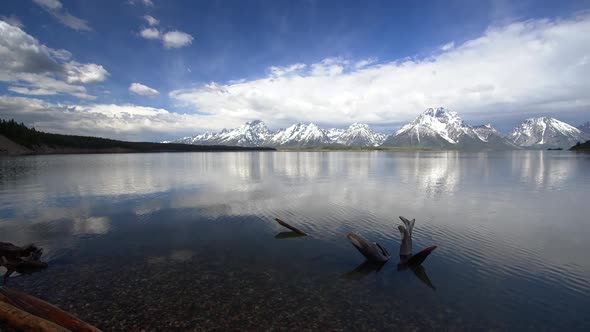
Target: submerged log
[(287, 235), (293, 228), (10, 251), (373, 251), (24, 321), (46, 311), (418, 258), (24, 260), (27, 265)]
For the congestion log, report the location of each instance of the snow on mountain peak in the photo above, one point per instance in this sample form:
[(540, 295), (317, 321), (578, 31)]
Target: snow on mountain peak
[(359, 134), (545, 132)]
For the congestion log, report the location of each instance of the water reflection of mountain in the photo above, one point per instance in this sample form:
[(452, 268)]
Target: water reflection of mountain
[(543, 169), (331, 193)]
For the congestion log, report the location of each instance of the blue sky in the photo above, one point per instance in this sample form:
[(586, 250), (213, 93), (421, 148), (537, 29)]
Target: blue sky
[(216, 64)]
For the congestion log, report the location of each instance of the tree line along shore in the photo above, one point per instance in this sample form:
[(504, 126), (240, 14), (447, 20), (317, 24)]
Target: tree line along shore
[(18, 139)]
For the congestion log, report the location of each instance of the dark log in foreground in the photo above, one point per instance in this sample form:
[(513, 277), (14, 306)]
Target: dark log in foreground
[(24, 260), (27, 265), (293, 228), (288, 235), (418, 258), (44, 310), (9, 250), (24, 321), (372, 251)]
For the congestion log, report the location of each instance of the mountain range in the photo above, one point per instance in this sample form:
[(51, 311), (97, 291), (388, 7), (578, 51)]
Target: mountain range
[(433, 128), (256, 133)]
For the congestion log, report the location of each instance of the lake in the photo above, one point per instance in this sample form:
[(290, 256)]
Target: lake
[(183, 241)]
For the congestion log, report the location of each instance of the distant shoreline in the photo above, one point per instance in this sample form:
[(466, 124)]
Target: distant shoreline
[(9, 147), (18, 139)]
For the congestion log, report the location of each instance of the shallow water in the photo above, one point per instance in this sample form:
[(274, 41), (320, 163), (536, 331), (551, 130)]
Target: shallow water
[(188, 241)]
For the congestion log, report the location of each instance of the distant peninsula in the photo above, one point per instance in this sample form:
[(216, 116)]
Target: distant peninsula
[(18, 139)]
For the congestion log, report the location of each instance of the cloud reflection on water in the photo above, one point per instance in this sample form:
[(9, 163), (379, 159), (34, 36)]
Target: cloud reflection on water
[(461, 198)]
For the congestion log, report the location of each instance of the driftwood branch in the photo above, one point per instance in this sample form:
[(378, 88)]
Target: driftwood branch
[(10, 251), (372, 251), (293, 228), (44, 310), (24, 321), (418, 258)]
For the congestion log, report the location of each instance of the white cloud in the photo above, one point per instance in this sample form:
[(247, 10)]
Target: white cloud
[(176, 39), (364, 63), (151, 20), (49, 4), (170, 39), (143, 90), (12, 20), (33, 92), (282, 71), (531, 66), (107, 120), (85, 73), (55, 8), (33, 68), (448, 46), (150, 33)]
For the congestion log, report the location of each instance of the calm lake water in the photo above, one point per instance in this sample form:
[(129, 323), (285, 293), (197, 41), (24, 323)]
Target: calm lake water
[(188, 241)]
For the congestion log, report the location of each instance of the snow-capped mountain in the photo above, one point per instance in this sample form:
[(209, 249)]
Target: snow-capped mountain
[(299, 134), (546, 132), (359, 134), (253, 133), (436, 128), (334, 133), (493, 137), (256, 133), (585, 127)]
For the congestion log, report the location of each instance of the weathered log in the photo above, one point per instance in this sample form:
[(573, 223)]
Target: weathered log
[(24, 321), (373, 251), (44, 310), (409, 224), (9, 250), (418, 258), (293, 228), (405, 248), (287, 235), (27, 265)]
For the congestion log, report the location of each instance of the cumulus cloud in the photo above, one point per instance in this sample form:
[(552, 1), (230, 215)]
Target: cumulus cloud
[(33, 68), (151, 20), (143, 90), (12, 20), (176, 39), (84, 73), (125, 121), (530, 66), (170, 39), (55, 8), (150, 33)]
